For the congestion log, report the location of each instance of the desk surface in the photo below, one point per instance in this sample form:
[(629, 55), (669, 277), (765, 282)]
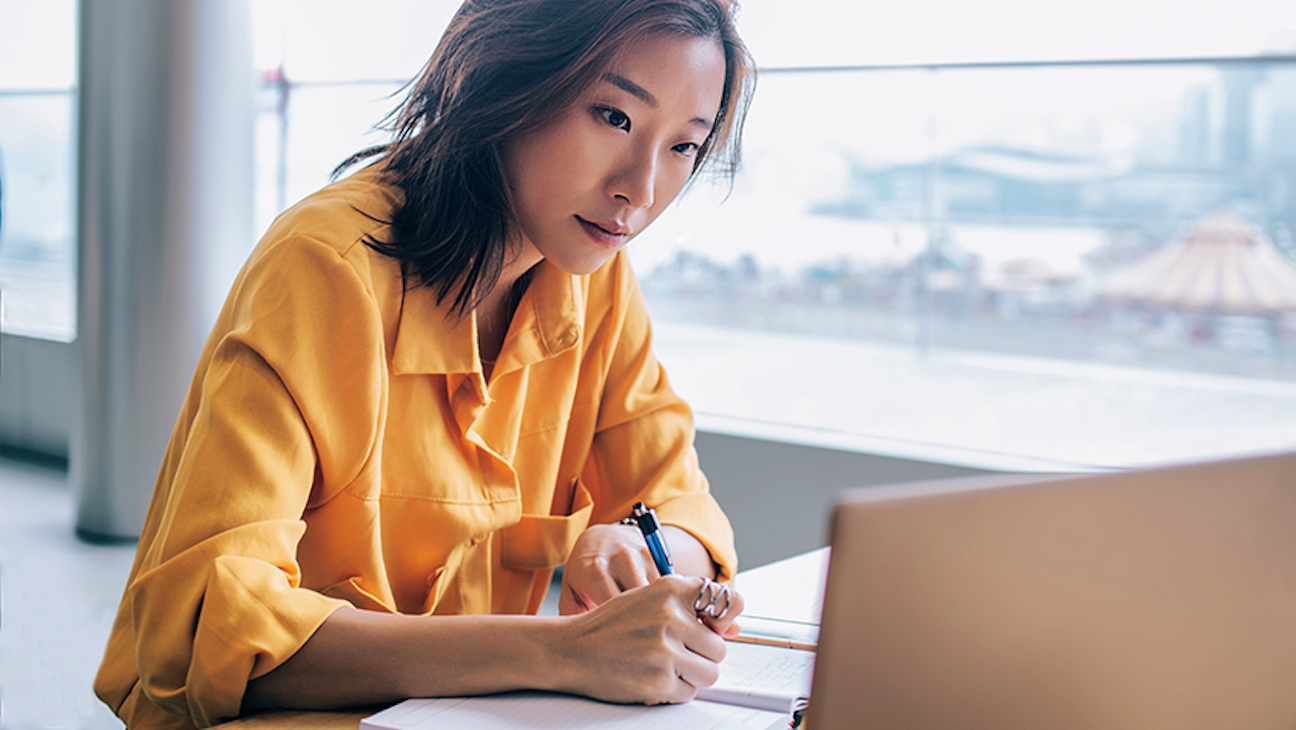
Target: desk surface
[(788, 589), (289, 720), (791, 589)]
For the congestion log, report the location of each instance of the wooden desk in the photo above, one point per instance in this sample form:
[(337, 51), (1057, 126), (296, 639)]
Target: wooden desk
[(789, 589), (291, 720)]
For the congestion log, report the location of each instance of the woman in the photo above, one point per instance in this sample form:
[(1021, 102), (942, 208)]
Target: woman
[(432, 384)]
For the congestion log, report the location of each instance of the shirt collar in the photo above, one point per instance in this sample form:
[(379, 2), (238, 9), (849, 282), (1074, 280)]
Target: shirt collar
[(429, 339)]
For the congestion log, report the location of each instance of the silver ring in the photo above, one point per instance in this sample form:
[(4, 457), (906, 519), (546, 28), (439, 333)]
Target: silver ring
[(708, 599)]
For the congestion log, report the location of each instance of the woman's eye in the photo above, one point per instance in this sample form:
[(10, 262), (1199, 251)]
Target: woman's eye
[(615, 118), (688, 149)]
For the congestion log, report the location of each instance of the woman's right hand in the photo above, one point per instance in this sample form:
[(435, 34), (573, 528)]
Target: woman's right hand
[(646, 645)]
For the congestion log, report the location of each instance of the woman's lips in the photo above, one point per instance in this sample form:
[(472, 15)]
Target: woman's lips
[(609, 234)]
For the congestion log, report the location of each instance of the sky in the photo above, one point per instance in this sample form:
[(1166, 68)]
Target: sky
[(798, 33), (365, 39)]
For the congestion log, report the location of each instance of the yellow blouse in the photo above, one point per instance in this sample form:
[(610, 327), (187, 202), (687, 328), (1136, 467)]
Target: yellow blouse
[(340, 445)]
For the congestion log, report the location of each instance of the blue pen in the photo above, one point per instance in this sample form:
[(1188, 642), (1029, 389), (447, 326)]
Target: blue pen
[(646, 518)]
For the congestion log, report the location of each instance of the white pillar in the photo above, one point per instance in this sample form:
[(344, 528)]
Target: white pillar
[(165, 183)]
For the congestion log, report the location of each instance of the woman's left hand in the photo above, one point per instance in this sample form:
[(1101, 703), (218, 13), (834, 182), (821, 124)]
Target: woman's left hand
[(605, 561), (608, 560)]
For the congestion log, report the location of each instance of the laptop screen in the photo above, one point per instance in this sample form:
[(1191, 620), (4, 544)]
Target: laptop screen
[(1152, 598)]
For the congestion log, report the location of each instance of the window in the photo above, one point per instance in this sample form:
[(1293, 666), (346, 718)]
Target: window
[(1089, 265), (37, 166), (977, 233), (325, 84)]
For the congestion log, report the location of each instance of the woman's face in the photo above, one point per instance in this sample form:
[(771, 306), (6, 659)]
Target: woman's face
[(586, 184)]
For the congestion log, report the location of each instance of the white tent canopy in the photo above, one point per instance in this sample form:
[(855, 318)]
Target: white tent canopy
[(1220, 265)]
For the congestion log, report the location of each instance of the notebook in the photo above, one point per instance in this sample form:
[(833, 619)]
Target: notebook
[(784, 601), (1157, 598), (757, 689)]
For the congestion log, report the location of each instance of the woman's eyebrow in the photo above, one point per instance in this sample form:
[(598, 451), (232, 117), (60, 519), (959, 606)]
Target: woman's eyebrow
[(631, 88), (643, 95)]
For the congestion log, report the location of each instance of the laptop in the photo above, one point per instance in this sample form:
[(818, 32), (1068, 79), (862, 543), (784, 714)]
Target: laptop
[(1154, 598)]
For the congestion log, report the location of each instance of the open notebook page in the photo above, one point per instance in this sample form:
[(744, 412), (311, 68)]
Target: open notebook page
[(756, 689), (535, 710), (766, 677)]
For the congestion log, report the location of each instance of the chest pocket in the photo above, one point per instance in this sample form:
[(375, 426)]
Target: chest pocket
[(542, 542)]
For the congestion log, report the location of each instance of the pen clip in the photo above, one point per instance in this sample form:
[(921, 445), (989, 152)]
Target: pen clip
[(646, 518)]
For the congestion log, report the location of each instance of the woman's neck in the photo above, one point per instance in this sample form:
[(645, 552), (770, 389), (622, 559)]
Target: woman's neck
[(495, 312)]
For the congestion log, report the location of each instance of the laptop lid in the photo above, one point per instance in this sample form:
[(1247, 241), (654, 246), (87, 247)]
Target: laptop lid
[(1157, 598)]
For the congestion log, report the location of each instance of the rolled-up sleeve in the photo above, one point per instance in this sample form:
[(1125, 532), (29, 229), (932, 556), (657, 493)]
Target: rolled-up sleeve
[(286, 400), (643, 443)]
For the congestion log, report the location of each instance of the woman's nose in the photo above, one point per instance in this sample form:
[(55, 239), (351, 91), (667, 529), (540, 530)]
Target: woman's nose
[(635, 181)]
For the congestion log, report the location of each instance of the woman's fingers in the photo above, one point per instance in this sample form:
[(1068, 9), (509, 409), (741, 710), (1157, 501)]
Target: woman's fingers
[(695, 671), (607, 560), (706, 644), (586, 586), (627, 567), (718, 606), (645, 645), (573, 601)]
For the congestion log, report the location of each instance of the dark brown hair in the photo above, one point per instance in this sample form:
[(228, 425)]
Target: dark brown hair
[(504, 68)]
